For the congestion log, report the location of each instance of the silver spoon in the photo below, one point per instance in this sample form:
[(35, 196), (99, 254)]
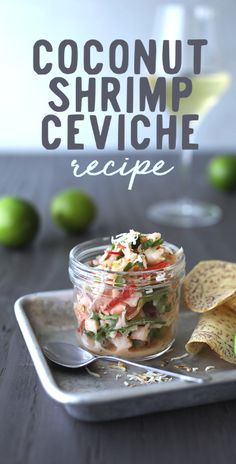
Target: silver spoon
[(69, 355)]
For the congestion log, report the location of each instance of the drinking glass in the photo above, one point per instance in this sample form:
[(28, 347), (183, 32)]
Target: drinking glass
[(185, 21)]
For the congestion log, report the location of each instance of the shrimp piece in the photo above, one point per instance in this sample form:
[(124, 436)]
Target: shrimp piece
[(141, 333), (122, 343)]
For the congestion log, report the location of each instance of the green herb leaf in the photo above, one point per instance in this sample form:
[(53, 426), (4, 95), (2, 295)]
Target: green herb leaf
[(128, 267), (147, 244), (137, 343), (151, 243), (89, 333), (100, 316), (156, 333), (158, 299), (157, 242), (142, 321), (100, 335), (138, 263), (109, 316), (119, 281), (104, 332), (95, 316)]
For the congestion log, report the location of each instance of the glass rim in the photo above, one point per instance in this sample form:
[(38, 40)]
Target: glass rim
[(99, 243)]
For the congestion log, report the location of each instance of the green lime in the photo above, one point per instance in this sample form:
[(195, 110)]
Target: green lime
[(222, 172), (19, 222), (73, 210)]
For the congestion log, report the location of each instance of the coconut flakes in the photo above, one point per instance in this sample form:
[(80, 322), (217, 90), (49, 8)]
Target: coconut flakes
[(94, 374), (183, 367), (119, 365), (209, 368), (149, 377), (180, 357)]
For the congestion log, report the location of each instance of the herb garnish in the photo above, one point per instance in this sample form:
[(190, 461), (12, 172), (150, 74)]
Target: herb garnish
[(119, 281), (151, 243), (128, 267)]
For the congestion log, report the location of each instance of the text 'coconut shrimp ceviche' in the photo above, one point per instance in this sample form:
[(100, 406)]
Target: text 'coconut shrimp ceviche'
[(128, 302)]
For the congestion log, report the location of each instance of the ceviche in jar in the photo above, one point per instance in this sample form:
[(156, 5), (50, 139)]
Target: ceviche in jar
[(127, 294)]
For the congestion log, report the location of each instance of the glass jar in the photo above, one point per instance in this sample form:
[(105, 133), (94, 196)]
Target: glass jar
[(128, 314)]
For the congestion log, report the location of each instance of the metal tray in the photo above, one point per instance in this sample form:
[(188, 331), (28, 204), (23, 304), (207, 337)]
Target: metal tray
[(105, 397)]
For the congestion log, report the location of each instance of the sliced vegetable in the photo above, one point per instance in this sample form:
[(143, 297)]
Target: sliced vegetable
[(157, 266), (159, 300), (152, 243), (106, 317), (158, 242), (134, 265), (119, 253), (155, 333), (138, 322), (147, 244), (128, 267), (119, 281), (126, 293)]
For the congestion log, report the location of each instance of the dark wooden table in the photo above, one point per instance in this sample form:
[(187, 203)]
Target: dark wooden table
[(33, 428)]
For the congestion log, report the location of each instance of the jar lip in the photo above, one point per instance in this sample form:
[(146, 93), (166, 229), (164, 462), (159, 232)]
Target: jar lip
[(102, 242)]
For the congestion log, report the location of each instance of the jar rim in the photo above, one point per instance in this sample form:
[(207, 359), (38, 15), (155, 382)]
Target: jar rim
[(101, 242)]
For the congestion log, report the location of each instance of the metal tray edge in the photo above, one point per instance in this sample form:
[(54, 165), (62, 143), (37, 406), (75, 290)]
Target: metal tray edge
[(90, 399)]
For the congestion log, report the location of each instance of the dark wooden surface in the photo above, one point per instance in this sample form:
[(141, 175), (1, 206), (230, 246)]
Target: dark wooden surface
[(35, 429)]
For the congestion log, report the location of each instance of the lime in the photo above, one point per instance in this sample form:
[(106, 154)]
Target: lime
[(19, 222), (222, 172), (73, 210)]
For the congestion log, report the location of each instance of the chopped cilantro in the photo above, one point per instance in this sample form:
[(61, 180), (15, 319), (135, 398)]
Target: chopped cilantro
[(112, 317), (137, 343), (158, 299), (95, 316), (158, 242), (147, 244), (151, 243), (138, 322), (119, 281), (128, 267), (89, 333), (155, 333), (139, 263)]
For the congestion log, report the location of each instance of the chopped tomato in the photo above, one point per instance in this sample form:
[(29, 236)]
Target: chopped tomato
[(125, 293), (155, 267), (81, 326), (118, 253)]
